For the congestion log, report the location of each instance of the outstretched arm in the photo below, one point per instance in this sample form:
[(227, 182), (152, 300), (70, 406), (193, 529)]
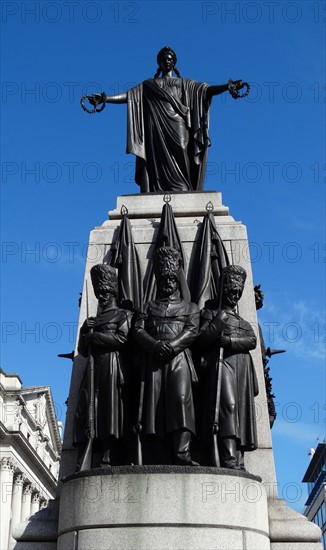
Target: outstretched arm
[(216, 90), (119, 98), (97, 98), (221, 88)]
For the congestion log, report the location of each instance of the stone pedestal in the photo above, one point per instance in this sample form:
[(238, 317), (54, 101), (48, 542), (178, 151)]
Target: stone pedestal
[(170, 508)]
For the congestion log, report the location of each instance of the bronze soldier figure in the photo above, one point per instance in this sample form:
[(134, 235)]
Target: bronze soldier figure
[(104, 337), (165, 331), (225, 329)]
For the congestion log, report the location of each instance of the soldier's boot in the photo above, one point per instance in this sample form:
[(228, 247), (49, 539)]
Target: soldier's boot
[(181, 446), (240, 455), (229, 455), (107, 445)]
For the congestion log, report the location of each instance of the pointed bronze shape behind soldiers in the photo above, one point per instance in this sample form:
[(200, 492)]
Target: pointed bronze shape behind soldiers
[(125, 259), (167, 236), (210, 259)]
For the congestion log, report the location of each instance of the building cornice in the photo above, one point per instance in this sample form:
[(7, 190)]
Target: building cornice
[(53, 424)]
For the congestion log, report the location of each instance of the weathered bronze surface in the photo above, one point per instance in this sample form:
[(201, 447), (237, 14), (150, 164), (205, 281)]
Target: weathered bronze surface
[(168, 125)]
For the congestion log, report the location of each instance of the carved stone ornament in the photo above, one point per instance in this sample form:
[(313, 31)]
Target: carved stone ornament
[(7, 463)]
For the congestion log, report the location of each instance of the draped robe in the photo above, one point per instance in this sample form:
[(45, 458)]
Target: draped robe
[(168, 133)]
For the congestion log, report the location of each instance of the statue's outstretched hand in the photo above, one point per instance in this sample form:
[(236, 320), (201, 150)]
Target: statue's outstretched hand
[(95, 99), (235, 85)]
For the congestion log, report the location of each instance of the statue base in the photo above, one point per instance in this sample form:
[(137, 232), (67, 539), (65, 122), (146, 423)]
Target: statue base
[(170, 507)]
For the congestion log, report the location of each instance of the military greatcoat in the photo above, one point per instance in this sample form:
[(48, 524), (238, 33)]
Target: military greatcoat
[(109, 336), (168, 399), (237, 417)]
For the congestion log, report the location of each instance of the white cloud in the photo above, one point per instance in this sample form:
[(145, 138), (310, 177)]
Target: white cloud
[(299, 327)]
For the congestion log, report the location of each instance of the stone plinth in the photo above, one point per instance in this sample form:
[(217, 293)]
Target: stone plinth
[(155, 508), (184, 204)]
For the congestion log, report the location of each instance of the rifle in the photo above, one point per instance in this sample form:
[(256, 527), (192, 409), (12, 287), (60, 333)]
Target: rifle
[(219, 367), (86, 462), (138, 427)]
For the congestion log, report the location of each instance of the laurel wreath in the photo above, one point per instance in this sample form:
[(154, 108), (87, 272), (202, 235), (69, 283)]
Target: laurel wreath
[(95, 102), (235, 93)]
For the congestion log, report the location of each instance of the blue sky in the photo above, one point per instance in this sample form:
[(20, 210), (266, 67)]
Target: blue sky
[(62, 170)]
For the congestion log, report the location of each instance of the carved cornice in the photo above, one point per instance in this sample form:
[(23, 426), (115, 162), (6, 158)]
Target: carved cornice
[(29, 454)]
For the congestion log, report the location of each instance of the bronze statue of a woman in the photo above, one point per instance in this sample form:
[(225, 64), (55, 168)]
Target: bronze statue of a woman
[(168, 120)]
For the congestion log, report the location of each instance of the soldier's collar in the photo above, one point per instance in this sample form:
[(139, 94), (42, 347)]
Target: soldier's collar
[(172, 298)]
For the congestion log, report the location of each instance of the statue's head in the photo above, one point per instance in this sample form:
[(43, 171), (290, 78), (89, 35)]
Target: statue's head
[(234, 277), (259, 297), (166, 53), (167, 264), (166, 60), (105, 281)]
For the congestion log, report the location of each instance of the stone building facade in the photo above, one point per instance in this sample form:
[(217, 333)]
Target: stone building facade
[(30, 449), (315, 477)]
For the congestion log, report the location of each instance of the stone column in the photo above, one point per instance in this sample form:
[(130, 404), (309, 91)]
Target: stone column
[(6, 485), (35, 505), (26, 501), (16, 503)]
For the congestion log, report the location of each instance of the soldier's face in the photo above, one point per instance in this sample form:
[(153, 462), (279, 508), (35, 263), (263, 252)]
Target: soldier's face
[(233, 293), (168, 284), (101, 290)]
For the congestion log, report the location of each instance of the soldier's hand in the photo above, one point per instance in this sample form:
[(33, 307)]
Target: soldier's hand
[(223, 341), (221, 316), (164, 350), (219, 321), (88, 325)]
